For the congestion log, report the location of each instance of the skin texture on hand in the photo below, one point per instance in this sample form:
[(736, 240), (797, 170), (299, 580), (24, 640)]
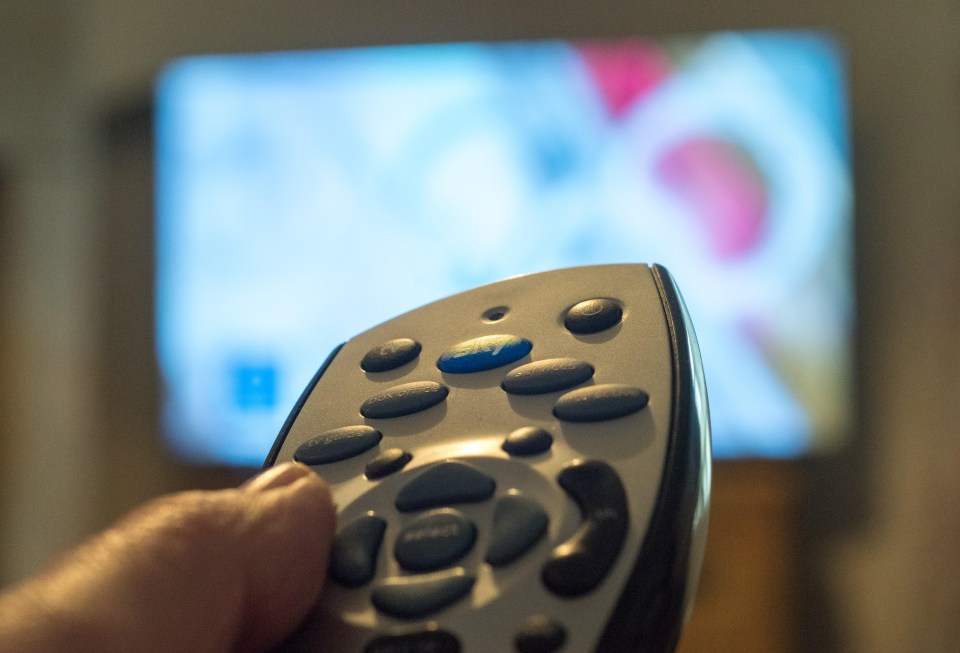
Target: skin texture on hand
[(198, 572)]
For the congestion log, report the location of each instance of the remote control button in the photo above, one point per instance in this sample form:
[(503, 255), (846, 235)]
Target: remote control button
[(404, 399), (427, 641), (539, 634), (596, 403), (518, 523), (484, 353), (353, 557), (593, 316), (388, 462), (434, 540), (581, 563), (546, 376), (390, 355), (411, 597), (337, 444), (445, 484), (527, 441)]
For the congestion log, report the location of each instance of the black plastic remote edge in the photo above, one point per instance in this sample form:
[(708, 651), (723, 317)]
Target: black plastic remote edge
[(638, 622)]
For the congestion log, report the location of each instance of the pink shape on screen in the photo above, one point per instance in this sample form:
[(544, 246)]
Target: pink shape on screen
[(723, 187), (624, 72)]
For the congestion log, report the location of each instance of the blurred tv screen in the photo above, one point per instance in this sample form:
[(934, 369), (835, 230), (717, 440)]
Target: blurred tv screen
[(304, 197)]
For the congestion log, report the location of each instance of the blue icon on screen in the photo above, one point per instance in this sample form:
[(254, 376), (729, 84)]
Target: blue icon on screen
[(254, 386)]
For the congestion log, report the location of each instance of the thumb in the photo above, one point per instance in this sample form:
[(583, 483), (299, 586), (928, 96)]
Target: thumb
[(201, 572)]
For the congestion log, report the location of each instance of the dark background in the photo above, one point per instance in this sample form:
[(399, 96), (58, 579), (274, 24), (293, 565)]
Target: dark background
[(855, 551)]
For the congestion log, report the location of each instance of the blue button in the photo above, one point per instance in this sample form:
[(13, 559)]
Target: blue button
[(484, 353)]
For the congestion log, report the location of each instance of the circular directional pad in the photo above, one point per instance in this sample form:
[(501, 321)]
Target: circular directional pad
[(435, 518), (426, 534)]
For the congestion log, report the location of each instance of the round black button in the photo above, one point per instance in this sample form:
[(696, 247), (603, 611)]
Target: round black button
[(527, 441), (388, 462), (593, 316)]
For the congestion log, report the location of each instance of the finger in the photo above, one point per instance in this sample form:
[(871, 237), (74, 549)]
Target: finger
[(203, 572), (286, 559)]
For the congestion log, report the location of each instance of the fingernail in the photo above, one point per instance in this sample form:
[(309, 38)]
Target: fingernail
[(278, 476)]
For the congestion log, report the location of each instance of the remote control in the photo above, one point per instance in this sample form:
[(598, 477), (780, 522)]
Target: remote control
[(524, 466)]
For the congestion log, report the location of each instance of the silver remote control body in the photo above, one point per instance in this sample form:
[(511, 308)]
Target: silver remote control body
[(524, 466)]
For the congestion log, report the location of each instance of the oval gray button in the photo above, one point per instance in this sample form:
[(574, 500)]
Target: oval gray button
[(545, 376), (353, 557), (390, 355), (410, 597), (337, 444), (434, 540), (593, 316), (600, 402), (404, 399), (518, 523), (448, 483)]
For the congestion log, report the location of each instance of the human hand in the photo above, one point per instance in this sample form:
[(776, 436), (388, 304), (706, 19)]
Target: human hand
[(227, 571)]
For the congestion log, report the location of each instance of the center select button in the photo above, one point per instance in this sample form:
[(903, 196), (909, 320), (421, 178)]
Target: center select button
[(483, 353), (434, 540)]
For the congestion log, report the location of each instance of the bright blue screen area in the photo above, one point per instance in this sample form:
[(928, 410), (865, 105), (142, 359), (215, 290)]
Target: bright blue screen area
[(305, 197)]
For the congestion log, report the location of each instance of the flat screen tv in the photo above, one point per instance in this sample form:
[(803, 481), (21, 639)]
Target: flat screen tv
[(303, 197)]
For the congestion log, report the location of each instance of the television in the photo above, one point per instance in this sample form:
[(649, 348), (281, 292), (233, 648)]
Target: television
[(302, 197)]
